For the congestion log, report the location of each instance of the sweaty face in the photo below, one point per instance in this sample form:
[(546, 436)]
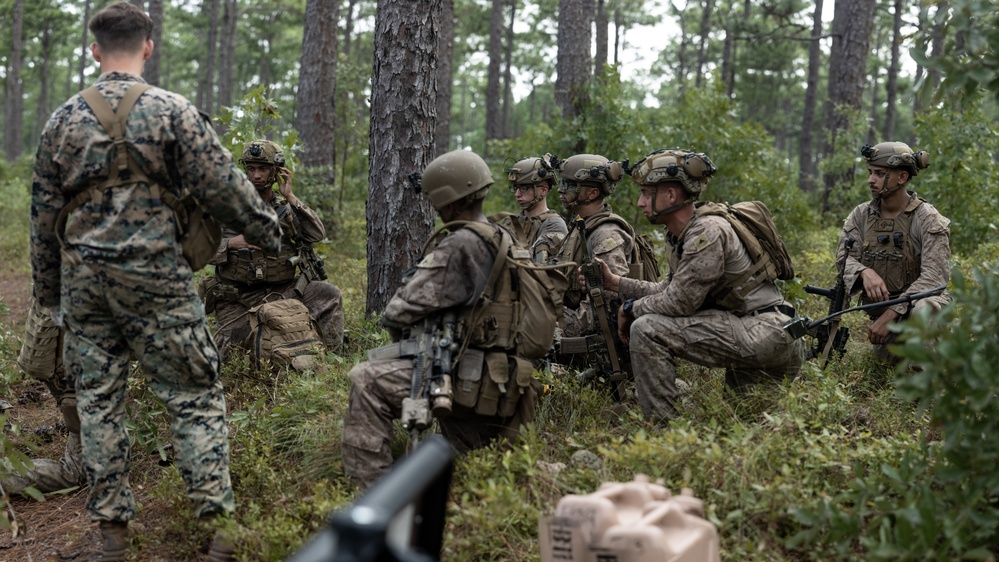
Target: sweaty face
[(261, 175)]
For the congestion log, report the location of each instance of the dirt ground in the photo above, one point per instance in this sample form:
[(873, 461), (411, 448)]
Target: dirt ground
[(59, 528)]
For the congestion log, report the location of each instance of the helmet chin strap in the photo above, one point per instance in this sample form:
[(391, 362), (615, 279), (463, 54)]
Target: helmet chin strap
[(534, 202), (667, 210), (884, 191)]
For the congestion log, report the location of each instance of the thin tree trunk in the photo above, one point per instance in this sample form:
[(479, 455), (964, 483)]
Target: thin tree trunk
[(348, 28), (702, 48), (445, 53), (227, 52), (573, 65), (601, 20), (892, 93), (872, 130), (206, 86), (681, 58), (494, 116), (42, 113), (264, 63), (403, 118), (507, 71), (618, 23), (151, 71), (808, 168), (317, 85), (85, 49), (727, 63), (13, 122), (346, 135)]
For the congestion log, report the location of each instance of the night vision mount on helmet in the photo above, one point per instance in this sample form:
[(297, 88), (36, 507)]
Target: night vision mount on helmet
[(692, 169), (533, 170), (592, 170), (895, 155), (262, 151)]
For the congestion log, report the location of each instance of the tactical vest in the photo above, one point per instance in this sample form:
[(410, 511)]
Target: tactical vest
[(252, 267), (525, 231), (888, 249), (642, 263)]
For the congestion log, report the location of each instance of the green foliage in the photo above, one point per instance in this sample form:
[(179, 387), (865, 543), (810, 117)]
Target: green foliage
[(938, 500), (968, 60), (256, 116), (15, 200)]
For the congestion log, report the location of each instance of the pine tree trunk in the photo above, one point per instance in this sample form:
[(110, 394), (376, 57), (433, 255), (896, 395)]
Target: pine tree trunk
[(403, 119), (892, 88), (702, 48), (601, 20), (494, 124), (151, 72), (808, 169), (574, 65), (85, 49), (317, 84), (507, 71), (13, 122), (227, 51), (445, 53), (206, 86), (42, 113)]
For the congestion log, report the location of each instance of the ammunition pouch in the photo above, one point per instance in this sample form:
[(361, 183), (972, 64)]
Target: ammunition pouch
[(252, 267), (213, 292), (492, 383)]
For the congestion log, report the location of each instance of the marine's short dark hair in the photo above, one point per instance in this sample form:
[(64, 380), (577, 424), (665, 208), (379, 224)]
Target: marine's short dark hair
[(121, 27)]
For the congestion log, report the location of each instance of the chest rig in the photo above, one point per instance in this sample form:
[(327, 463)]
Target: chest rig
[(251, 267), (888, 248)]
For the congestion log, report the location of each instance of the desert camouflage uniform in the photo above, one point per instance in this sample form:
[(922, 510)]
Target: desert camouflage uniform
[(123, 288), (41, 358), (927, 239), (444, 279), (323, 300), (542, 235), (676, 318), (609, 242)]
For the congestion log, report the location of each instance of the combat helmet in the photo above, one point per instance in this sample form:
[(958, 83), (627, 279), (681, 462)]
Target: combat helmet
[(455, 175), (262, 151), (591, 170), (692, 169), (895, 154), (531, 171)]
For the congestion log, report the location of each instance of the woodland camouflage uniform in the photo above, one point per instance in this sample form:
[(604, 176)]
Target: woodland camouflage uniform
[(123, 288), (446, 278), (680, 318), (299, 225)]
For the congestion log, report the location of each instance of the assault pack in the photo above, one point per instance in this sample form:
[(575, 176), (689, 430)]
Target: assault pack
[(284, 332), (643, 263), (754, 224), (198, 232)]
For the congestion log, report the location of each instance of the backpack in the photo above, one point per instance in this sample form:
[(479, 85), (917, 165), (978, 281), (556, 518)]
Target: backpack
[(754, 224), (283, 332), (643, 264), (198, 232), (520, 304)]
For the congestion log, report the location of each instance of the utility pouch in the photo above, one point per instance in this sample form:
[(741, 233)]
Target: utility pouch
[(494, 384), (41, 352), (466, 392), (521, 371), (207, 290)]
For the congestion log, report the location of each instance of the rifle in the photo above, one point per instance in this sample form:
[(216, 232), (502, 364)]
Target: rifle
[(310, 266), (830, 337), (432, 348), (801, 325), (605, 348)]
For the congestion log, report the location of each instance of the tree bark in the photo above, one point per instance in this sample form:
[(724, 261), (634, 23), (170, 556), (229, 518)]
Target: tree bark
[(892, 88), (681, 57), (808, 168), (494, 124), (403, 119), (317, 85), (42, 113), (151, 71), (13, 121), (702, 48), (85, 49), (227, 52), (852, 25), (206, 86), (618, 23), (573, 64), (445, 54), (872, 119), (508, 71), (601, 20)]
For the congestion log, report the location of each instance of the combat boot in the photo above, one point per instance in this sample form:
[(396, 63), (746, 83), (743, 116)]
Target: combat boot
[(223, 547), (116, 542)]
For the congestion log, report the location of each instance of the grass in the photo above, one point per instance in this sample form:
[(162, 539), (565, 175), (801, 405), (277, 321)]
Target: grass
[(755, 459)]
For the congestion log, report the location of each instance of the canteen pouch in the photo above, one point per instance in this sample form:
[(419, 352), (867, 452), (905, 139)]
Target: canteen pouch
[(494, 383), (521, 371), (466, 391)]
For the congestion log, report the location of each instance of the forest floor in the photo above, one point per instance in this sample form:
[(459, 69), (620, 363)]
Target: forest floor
[(59, 527)]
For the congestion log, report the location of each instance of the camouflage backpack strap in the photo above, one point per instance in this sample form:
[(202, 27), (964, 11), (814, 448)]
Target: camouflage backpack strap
[(114, 124)]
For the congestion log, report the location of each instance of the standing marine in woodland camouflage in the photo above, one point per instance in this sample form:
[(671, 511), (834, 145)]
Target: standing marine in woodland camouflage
[(115, 276), (248, 276), (902, 243), (537, 227), (711, 309)]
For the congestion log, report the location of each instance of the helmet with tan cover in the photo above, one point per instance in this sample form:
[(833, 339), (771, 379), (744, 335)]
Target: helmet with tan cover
[(895, 154), (262, 151), (591, 170), (455, 175), (692, 169)]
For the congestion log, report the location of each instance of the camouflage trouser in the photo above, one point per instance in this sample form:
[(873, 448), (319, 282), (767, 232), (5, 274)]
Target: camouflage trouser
[(376, 396), (932, 304), (754, 346), (41, 358), (110, 314), (323, 300)]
